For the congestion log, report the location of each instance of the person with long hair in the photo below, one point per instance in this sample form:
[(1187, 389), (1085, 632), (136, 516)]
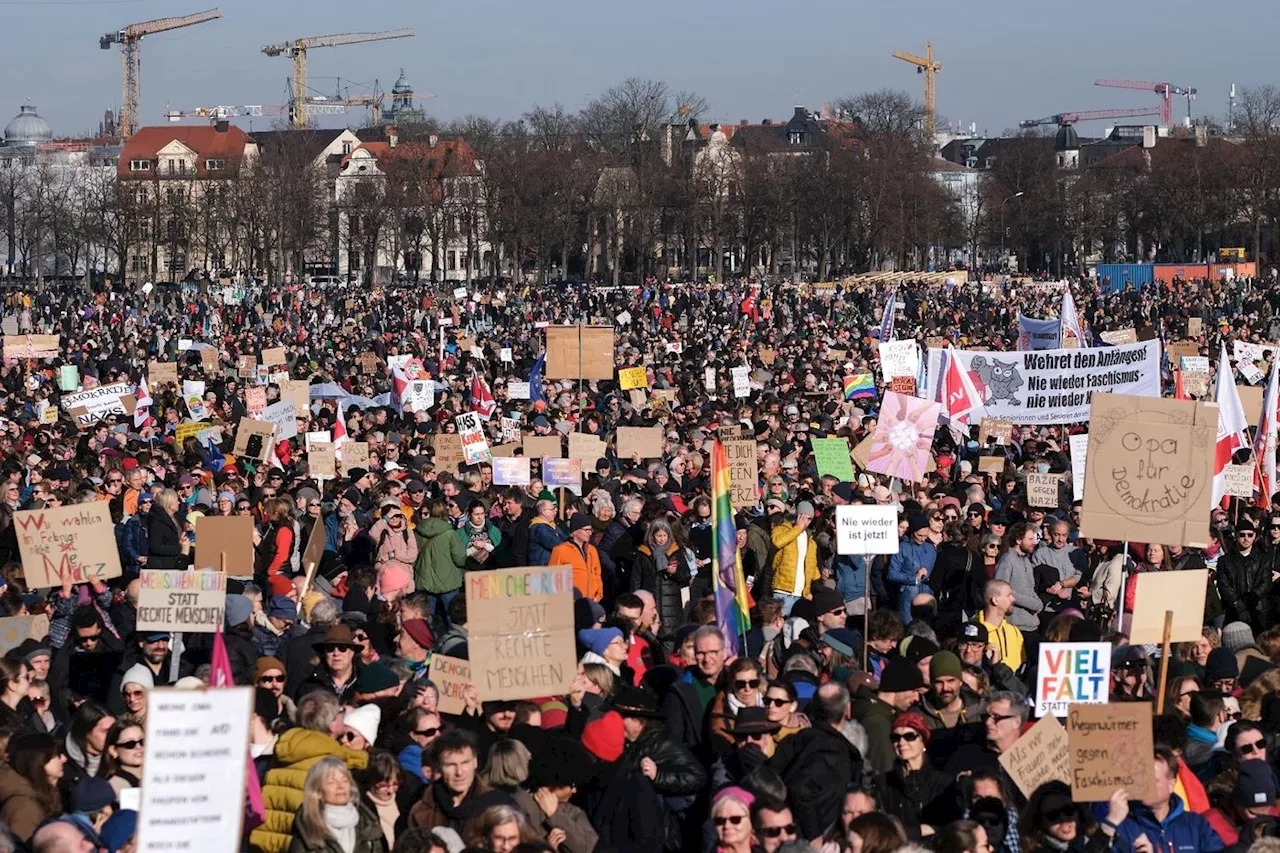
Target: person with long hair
[(1194, 656), (664, 569), (381, 782), (125, 747), (332, 818), (503, 828), (86, 743), (875, 832), (274, 552), (1052, 822), (962, 836), (29, 783), (15, 683), (167, 544)]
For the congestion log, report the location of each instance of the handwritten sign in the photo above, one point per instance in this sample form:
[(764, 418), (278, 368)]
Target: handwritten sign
[(254, 440), (209, 360), (562, 473), (1039, 756), (644, 442), (587, 448), (74, 543), (162, 373), (522, 641), (274, 356), (1239, 481), (1069, 673), (903, 385), (633, 377), (995, 428), (255, 400), (30, 346), (181, 601), (298, 391), (1042, 490), (355, 454), (322, 461), (475, 447), (1110, 747), (451, 677), (283, 414), (832, 457), (225, 541), (741, 381), (866, 529), (14, 630), (744, 472), (518, 390)]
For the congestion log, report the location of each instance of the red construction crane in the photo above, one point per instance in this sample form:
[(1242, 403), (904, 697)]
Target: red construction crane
[(1088, 115), (1166, 91)]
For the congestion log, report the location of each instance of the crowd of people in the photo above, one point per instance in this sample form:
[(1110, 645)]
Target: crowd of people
[(866, 709)]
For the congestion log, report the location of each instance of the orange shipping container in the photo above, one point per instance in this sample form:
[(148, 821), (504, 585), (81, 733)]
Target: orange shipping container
[(1166, 273)]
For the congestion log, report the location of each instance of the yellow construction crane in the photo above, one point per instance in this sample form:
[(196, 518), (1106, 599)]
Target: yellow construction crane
[(297, 50), (928, 66), (128, 39)]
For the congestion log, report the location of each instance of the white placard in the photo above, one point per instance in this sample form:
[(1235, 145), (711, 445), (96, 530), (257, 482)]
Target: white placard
[(1072, 674), (899, 358), (316, 438), (1079, 454), (193, 387), (184, 344), (511, 471), (741, 381), (624, 318), (397, 362), (709, 378), (194, 770), (459, 293), (677, 348), (1250, 372), (517, 390), (475, 447), (420, 394), (1195, 363), (510, 430), (866, 529), (504, 355), (285, 416)]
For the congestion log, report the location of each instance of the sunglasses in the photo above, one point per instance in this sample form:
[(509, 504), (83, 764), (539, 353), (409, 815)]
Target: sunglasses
[(998, 718), (909, 737), (135, 694), (271, 679), (1058, 815), (744, 736), (431, 732), (974, 514), (733, 819), (1244, 533), (91, 638), (775, 831), (776, 702), (131, 744), (1251, 748), (346, 737), (742, 684)]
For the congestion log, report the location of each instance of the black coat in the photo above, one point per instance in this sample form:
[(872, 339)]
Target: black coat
[(665, 585), (300, 658), (164, 541), (925, 796), (818, 765), (1245, 584), (626, 810)]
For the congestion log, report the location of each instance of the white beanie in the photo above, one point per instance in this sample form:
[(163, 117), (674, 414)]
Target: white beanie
[(138, 674), (365, 720)]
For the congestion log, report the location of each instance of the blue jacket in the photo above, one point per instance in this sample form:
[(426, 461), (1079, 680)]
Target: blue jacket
[(851, 576), (411, 760), (1180, 832), (543, 537), (910, 557), (132, 538)]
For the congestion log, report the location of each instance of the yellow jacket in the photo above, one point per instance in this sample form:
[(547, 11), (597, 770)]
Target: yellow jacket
[(784, 562), (296, 751)]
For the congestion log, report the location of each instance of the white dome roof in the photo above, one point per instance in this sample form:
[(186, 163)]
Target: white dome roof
[(27, 128)]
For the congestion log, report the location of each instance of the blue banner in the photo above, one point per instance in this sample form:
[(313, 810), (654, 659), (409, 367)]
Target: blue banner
[(1038, 334)]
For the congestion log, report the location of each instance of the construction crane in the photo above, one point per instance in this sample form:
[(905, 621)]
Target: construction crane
[(1166, 91), (928, 66), (297, 50), (224, 112), (1063, 119), (129, 39)]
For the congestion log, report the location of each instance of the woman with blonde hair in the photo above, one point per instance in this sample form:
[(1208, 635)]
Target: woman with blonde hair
[(333, 818), (167, 545), (274, 552), (1195, 655), (508, 765)]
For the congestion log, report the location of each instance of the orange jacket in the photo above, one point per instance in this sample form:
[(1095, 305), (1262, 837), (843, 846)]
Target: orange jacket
[(586, 567)]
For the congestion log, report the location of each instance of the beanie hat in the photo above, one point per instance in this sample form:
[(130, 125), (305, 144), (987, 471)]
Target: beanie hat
[(119, 829), (826, 599), (393, 577), (1256, 784), (805, 508), (238, 610), (365, 720), (604, 737), (375, 678), (138, 674), (843, 640), (266, 663), (91, 795), (282, 607), (916, 521), (1221, 664), (735, 792), (598, 639), (945, 664), (899, 676), (913, 720), (1237, 635), (579, 521), (420, 631)]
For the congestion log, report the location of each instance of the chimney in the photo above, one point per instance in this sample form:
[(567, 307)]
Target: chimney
[(826, 110), (222, 125), (742, 123), (433, 140), (800, 112), (393, 137)]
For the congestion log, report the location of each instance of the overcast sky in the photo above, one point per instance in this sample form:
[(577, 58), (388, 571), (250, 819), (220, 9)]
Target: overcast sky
[(751, 59)]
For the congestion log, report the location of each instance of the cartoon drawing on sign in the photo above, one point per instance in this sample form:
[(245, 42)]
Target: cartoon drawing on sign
[(997, 380)]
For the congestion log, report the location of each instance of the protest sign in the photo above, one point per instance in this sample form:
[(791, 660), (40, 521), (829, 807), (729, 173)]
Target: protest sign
[(225, 543), (181, 601), (509, 430), (642, 442), (511, 470), (522, 639), (30, 346), (1196, 384), (587, 448), (284, 415), (318, 437), (899, 358), (991, 464), (15, 630), (1039, 756), (1036, 334), (709, 378), (355, 454), (1110, 747), (741, 381), (1079, 454), (632, 377), (449, 455), (1070, 673), (89, 407), (562, 473), (68, 377), (1251, 399), (1150, 471), (866, 529), (475, 447), (451, 677), (579, 352), (70, 543), (903, 438), (1250, 372), (46, 413), (322, 460), (517, 390), (995, 431), (541, 446), (209, 360), (188, 430), (1054, 386), (162, 373), (1238, 480), (246, 367), (297, 391), (767, 356), (193, 387), (1042, 490), (193, 781), (1120, 337), (420, 394), (505, 355), (274, 357), (1180, 351), (255, 400), (369, 362), (903, 385), (1195, 326), (1180, 592), (744, 472), (254, 440), (832, 457)]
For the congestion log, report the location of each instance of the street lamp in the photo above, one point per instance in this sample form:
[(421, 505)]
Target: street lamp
[(1004, 257)]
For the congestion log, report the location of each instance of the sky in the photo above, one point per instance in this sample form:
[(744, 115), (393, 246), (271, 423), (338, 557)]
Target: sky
[(1002, 60)]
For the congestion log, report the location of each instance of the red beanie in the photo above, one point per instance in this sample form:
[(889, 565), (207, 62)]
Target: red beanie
[(604, 737), (912, 720)]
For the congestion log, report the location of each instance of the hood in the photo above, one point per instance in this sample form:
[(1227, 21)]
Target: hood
[(430, 528)]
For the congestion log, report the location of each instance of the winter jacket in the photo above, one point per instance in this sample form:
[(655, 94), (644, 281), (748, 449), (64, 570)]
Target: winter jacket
[(296, 751), (440, 557), (679, 773), (132, 539), (1245, 585), (608, 563), (543, 538), (436, 808), (21, 808), (401, 547), (369, 837), (585, 561), (164, 550), (876, 717), (272, 557), (513, 550), (818, 765), (685, 716), (1019, 572), (579, 835), (851, 576), (493, 535), (925, 796), (906, 564), (1180, 832), (665, 585), (626, 811), (786, 538)]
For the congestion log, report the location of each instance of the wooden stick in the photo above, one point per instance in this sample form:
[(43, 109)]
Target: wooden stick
[(1164, 661)]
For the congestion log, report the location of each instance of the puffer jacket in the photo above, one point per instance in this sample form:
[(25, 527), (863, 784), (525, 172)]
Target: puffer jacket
[(21, 808), (1180, 832), (543, 538), (392, 546), (441, 557), (297, 751), (785, 538), (665, 585)]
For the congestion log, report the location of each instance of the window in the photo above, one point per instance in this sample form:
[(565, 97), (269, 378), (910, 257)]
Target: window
[(214, 164), (346, 148), (796, 137), (139, 165), (177, 166)]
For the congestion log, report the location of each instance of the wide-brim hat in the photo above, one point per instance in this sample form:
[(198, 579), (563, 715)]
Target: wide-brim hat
[(338, 637)]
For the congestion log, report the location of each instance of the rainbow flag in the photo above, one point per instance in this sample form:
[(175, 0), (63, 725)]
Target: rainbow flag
[(859, 385), (733, 602)]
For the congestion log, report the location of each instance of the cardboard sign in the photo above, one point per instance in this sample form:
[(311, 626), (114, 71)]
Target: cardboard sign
[(1239, 481), (1042, 490), (633, 377), (511, 471), (1195, 326), (744, 472), (298, 392), (314, 552), (1251, 399), (991, 464), (246, 367), (322, 460), (522, 639), (1071, 673), (1179, 350), (475, 447), (30, 346), (832, 457), (89, 407), (274, 357), (767, 356), (1039, 756), (1110, 747), (1001, 431), (645, 442), (181, 601), (562, 474), (319, 437), (225, 542), (15, 630), (256, 435), (255, 400), (1182, 592), (899, 358), (1079, 455), (1120, 337), (162, 373), (369, 362), (579, 352), (866, 529), (193, 782), (449, 455), (1150, 472), (209, 361), (586, 448), (903, 385), (541, 446), (355, 454), (74, 543), (502, 451), (284, 416), (451, 677)]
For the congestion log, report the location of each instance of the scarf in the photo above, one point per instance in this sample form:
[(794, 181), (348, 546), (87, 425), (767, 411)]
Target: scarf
[(388, 813), (341, 821), (79, 756), (472, 804), (660, 562), (733, 704)]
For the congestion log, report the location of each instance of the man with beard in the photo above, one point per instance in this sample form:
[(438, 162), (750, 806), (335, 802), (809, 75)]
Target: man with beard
[(948, 703), (151, 649), (972, 651)]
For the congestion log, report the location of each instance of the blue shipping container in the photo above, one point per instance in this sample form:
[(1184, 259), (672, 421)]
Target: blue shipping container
[(1121, 275)]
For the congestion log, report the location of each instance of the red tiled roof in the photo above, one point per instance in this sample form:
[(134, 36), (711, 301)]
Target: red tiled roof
[(206, 140), (447, 158)]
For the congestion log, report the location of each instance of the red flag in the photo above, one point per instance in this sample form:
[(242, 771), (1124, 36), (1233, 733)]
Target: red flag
[(1179, 392), (959, 396), (482, 400)]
